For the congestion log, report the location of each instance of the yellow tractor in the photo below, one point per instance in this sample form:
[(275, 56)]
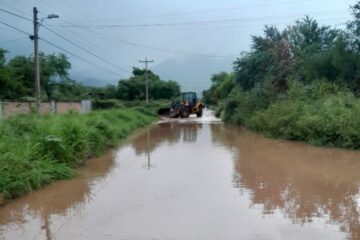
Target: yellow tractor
[(189, 105)]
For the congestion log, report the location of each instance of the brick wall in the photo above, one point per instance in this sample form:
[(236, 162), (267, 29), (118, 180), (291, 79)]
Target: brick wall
[(15, 108), (62, 107), (9, 109)]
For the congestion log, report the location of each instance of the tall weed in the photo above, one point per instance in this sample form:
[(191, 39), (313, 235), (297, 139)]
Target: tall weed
[(36, 150)]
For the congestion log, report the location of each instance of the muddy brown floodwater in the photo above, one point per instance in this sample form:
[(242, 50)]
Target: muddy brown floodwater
[(198, 179)]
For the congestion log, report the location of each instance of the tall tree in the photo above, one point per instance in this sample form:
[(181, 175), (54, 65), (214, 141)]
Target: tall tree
[(10, 87), (134, 87), (53, 68)]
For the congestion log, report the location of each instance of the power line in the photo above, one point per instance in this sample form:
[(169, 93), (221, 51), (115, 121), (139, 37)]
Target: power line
[(84, 49), (198, 12), (139, 45), (53, 7), (86, 42), (60, 48), (8, 29), (12, 40), (78, 10), (190, 22), (18, 10), (68, 40), (86, 12), (23, 4), (47, 4), (17, 29), (155, 48), (14, 14), (222, 27), (93, 44), (77, 56)]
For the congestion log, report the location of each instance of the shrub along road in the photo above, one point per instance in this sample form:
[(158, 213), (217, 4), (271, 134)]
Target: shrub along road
[(36, 150)]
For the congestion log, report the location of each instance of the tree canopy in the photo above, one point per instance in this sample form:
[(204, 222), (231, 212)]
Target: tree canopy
[(305, 51), (18, 81), (134, 87)]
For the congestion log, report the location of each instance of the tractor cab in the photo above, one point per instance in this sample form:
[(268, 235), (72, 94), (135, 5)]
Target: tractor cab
[(189, 99)]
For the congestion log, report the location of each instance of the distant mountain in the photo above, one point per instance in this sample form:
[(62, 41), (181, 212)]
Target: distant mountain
[(193, 74)]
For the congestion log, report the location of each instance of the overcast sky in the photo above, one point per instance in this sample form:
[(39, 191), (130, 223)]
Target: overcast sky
[(120, 32)]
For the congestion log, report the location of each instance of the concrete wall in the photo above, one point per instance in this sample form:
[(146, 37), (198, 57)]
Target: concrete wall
[(9, 109)]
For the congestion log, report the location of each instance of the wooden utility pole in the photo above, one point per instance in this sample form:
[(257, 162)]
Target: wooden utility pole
[(35, 37), (146, 61), (36, 57)]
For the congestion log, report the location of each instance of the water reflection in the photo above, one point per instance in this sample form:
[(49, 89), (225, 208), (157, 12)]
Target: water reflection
[(60, 198), (301, 181), (148, 141), (170, 133)]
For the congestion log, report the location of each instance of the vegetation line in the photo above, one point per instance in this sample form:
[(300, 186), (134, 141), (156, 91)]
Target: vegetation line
[(36, 150), (301, 83)]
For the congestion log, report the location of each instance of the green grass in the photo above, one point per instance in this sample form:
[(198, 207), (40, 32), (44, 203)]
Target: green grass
[(36, 150)]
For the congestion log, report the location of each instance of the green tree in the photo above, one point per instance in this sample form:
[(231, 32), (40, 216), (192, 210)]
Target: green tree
[(222, 85), (270, 58), (305, 51), (67, 90), (354, 28), (22, 71), (10, 87), (53, 69), (134, 87)]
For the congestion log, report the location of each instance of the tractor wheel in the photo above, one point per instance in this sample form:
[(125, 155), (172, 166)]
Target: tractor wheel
[(185, 112), (199, 112), (173, 113)]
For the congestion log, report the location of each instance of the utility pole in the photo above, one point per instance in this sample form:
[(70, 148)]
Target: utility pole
[(146, 61), (36, 57), (35, 38)]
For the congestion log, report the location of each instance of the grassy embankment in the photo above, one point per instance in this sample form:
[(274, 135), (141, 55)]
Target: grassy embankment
[(301, 82), (36, 150), (320, 113)]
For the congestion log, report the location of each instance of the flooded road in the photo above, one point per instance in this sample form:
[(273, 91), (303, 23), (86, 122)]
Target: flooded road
[(198, 180)]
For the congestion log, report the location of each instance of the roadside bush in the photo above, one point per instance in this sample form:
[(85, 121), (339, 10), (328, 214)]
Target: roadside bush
[(322, 114), (240, 105), (107, 104), (36, 150)]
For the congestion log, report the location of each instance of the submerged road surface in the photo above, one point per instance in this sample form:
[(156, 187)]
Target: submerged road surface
[(198, 179)]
